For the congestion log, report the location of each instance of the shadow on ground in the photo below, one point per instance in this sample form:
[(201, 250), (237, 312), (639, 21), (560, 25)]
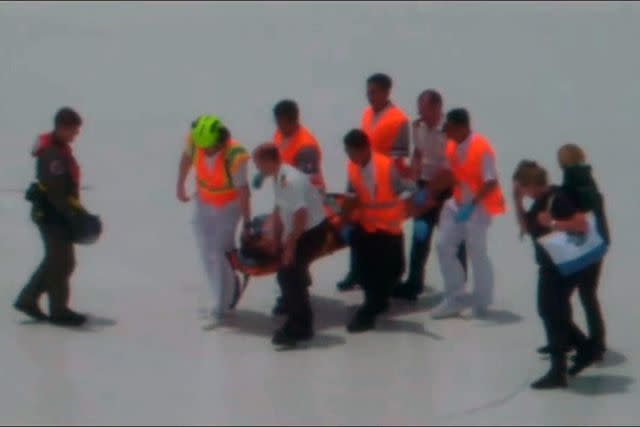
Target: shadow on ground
[(600, 385), (333, 313)]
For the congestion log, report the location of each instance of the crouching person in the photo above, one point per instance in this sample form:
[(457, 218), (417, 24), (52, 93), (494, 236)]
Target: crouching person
[(377, 236), (301, 230)]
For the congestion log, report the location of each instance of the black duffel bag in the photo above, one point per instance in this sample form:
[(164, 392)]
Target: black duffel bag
[(85, 228)]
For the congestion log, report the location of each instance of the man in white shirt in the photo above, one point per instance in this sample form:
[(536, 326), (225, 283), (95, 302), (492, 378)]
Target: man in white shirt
[(429, 158), (301, 232), (467, 216)]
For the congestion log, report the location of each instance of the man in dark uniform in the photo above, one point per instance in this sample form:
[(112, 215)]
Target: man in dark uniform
[(56, 207)]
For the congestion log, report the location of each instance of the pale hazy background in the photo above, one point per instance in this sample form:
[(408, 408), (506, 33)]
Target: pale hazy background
[(533, 75)]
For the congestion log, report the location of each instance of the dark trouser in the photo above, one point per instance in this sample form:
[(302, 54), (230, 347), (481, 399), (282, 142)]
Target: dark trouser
[(380, 265), (53, 274), (295, 279), (554, 307), (421, 247), (588, 289)]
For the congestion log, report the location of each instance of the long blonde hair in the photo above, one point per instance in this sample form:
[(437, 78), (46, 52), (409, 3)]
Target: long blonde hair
[(571, 155)]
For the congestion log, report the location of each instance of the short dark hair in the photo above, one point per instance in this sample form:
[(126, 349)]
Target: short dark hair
[(286, 109), (434, 96), (267, 151), (67, 117), (382, 80), (225, 134), (356, 139), (458, 116)]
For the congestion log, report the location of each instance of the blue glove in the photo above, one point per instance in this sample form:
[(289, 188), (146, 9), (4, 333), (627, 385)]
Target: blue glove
[(420, 197), (257, 181), (465, 212), (420, 230), (346, 232)]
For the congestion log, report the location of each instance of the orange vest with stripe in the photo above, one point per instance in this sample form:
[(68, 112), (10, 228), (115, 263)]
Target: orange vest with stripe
[(383, 211), (470, 173), (301, 140), (383, 129), (214, 179)]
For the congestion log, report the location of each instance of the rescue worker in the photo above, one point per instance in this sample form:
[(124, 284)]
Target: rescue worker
[(298, 148), (387, 128), (553, 210), (301, 229), (377, 237), (467, 216), (429, 158), (56, 208), (222, 199)]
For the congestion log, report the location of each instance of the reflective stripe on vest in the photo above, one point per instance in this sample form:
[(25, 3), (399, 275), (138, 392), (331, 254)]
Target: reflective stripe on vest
[(301, 140), (470, 172), (383, 129), (384, 210), (215, 183)]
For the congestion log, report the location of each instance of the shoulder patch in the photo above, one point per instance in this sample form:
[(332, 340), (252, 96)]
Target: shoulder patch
[(56, 167)]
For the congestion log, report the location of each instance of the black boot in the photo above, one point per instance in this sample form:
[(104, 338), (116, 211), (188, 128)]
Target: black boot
[(556, 377), (279, 309), (68, 318), (547, 349), (586, 356), (31, 310), (362, 321), (349, 283), (408, 290), (288, 337)]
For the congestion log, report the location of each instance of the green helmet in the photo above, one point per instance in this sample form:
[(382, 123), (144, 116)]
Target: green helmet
[(206, 130)]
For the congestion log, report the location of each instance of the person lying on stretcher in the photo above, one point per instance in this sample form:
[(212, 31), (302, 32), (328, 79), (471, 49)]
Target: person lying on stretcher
[(259, 252)]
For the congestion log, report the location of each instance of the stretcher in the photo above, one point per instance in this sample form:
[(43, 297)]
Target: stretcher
[(255, 259)]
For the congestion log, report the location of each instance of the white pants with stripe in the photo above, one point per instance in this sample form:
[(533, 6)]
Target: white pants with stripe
[(215, 230), (474, 234)]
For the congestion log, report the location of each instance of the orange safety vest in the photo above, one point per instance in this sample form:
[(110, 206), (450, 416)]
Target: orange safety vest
[(214, 182), (384, 210), (383, 129), (469, 172), (302, 139)]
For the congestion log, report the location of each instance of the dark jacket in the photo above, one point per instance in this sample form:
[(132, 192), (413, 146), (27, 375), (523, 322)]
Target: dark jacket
[(579, 183)]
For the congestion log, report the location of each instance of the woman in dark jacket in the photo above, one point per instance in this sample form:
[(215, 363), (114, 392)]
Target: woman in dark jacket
[(552, 210), (579, 184)]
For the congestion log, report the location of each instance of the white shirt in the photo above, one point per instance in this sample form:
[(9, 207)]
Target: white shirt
[(293, 191), (489, 170), (432, 144)]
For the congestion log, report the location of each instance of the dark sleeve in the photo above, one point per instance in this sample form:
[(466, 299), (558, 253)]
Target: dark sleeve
[(349, 188), (55, 175), (562, 207), (308, 160)]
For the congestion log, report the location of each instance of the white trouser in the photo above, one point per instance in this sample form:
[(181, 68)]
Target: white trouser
[(474, 234), (215, 230)]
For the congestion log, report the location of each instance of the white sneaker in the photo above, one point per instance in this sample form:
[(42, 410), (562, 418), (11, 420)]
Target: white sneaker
[(447, 308), (212, 324)]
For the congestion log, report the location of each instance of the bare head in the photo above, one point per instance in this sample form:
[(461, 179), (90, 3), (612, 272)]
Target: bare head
[(430, 107), (571, 155), (532, 179), (66, 125), (379, 90), (357, 147), (287, 116), (267, 158), (458, 125)]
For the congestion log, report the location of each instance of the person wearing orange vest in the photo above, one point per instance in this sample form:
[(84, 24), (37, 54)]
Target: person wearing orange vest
[(467, 216), (388, 130), (222, 199), (377, 237)]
